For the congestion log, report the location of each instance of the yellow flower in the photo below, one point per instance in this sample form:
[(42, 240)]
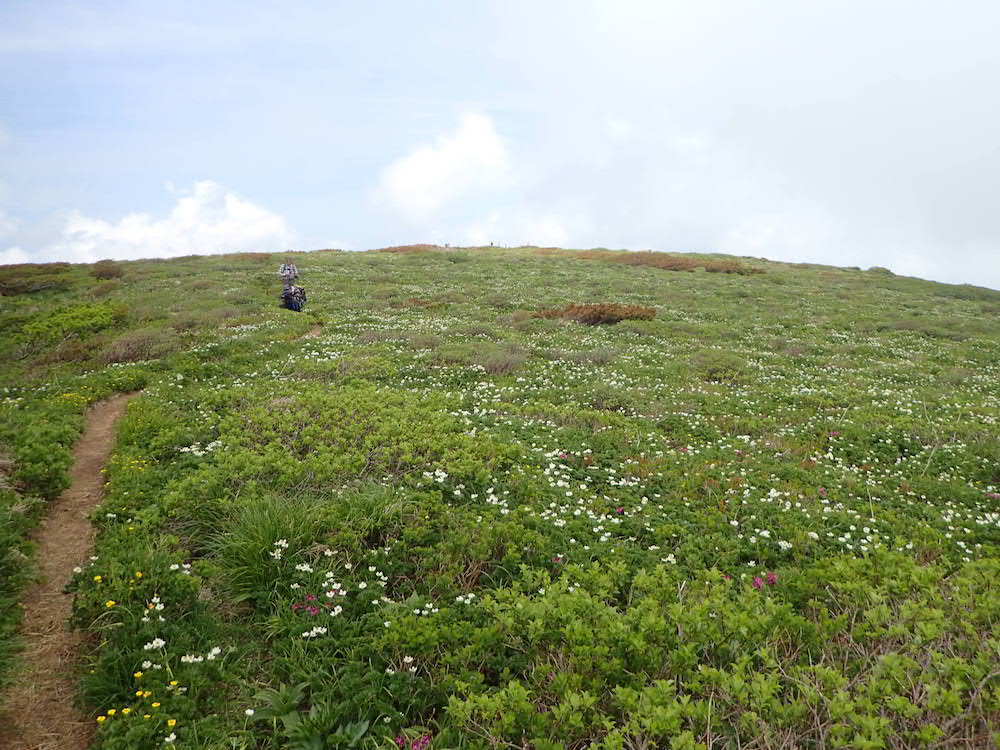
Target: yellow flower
[(138, 574), (137, 675), (156, 705), (171, 722), (138, 693), (147, 716), (173, 683), (147, 693), (111, 712), (109, 603), (98, 579), (101, 719), (126, 710)]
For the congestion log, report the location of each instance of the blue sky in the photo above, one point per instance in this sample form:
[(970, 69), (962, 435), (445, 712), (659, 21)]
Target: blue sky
[(846, 133)]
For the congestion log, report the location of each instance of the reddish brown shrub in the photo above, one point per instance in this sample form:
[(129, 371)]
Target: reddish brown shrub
[(407, 249), (664, 261), (254, 257), (593, 315)]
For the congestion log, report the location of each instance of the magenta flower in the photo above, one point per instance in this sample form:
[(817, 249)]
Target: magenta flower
[(421, 742), (772, 578), (400, 740), (758, 582), (620, 509)]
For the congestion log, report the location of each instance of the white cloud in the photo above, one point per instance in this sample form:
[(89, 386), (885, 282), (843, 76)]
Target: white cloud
[(208, 219), (8, 225), (519, 226), (13, 255), (471, 158)]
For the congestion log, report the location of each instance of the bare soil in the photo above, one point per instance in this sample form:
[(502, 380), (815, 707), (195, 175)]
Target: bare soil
[(39, 711)]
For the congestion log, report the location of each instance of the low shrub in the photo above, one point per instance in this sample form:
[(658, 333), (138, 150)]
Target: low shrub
[(607, 314), (717, 365), (501, 362), (75, 320), (107, 269), (137, 346), (28, 278), (407, 249)]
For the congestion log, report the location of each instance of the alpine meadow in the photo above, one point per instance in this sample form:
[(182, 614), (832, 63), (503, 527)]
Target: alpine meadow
[(512, 498)]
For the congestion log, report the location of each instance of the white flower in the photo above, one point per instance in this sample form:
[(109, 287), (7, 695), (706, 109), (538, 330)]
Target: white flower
[(249, 712), (170, 738), (155, 643)]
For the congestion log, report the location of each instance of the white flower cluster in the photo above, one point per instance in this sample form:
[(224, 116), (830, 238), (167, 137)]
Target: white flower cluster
[(196, 449), (465, 599), (154, 605), (281, 544), (155, 643), (315, 632), (193, 659)]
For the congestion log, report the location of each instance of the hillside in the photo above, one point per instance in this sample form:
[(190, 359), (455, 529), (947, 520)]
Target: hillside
[(435, 509)]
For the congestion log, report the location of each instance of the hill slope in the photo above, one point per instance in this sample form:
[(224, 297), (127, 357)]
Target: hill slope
[(767, 517)]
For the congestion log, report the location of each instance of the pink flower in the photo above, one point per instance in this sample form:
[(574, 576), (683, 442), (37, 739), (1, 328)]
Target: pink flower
[(822, 491), (400, 740), (557, 559), (772, 578), (620, 509), (757, 582)]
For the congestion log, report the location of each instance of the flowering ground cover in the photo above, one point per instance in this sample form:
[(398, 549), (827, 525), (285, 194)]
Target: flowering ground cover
[(766, 515)]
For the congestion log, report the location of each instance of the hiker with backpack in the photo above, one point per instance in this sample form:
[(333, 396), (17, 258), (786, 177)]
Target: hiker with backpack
[(292, 297)]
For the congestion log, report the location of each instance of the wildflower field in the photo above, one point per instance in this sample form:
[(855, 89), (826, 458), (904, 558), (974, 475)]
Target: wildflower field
[(521, 498)]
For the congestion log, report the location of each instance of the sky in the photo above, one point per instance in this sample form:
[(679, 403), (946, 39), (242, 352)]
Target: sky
[(847, 133)]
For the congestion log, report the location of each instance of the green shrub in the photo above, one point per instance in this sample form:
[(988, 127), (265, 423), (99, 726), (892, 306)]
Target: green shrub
[(75, 320)]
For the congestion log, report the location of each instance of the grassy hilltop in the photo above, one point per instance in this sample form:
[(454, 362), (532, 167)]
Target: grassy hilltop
[(756, 507)]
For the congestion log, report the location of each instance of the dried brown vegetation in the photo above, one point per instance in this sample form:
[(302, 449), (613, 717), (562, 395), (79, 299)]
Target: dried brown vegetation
[(593, 315), (107, 269), (407, 249), (664, 261)]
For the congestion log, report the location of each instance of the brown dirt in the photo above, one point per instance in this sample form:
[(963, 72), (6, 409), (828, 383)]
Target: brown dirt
[(39, 710), (314, 332)]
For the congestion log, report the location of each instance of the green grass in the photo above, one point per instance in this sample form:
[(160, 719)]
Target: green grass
[(769, 516)]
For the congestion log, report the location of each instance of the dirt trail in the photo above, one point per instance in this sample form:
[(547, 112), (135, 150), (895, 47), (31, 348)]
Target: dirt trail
[(38, 711), (314, 332)]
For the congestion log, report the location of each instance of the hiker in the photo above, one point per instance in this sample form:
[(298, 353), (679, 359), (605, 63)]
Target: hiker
[(288, 272), (293, 298)]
